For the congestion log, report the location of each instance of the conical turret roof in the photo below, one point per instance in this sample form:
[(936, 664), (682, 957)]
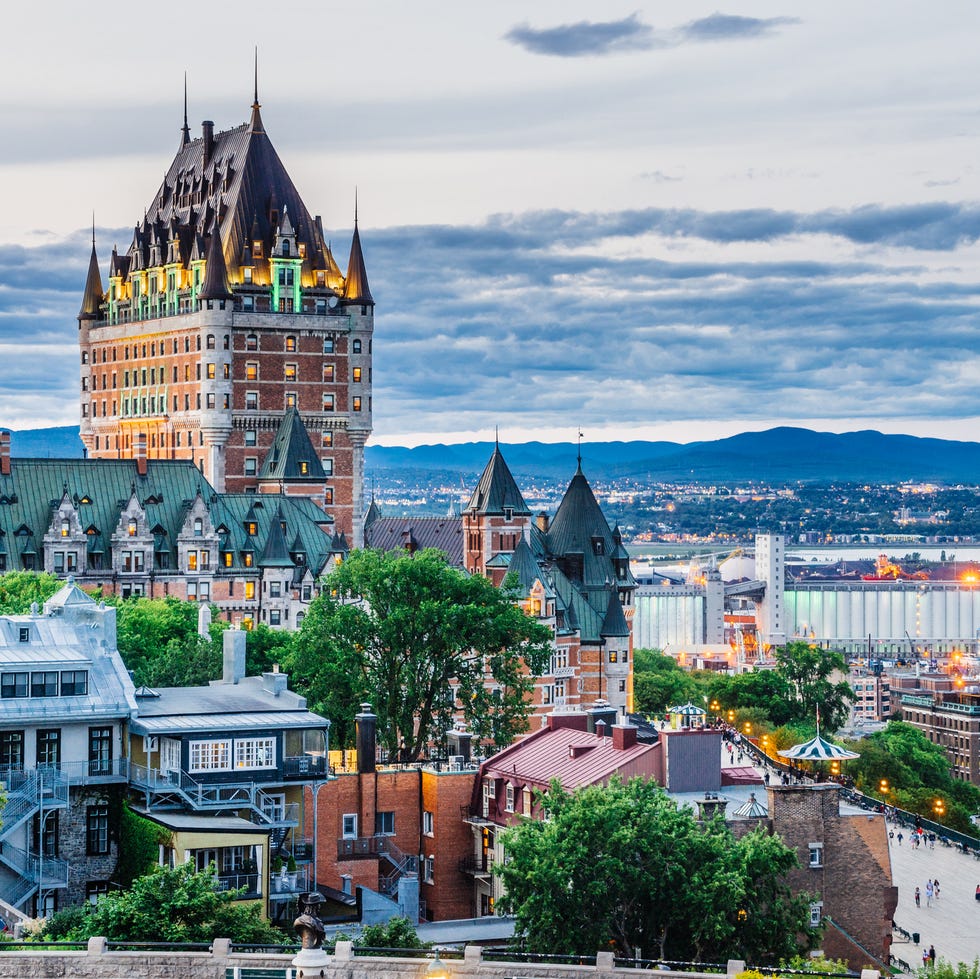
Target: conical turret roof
[(614, 624), (275, 554), (497, 489), (356, 288), (215, 270), (94, 293)]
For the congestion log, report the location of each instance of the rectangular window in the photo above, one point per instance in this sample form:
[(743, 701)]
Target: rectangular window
[(210, 756), (212, 371), (255, 753), (249, 590), (275, 589), (13, 685), (326, 440), (44, 684), (290, 399), (11, 749), (74, 683), (251, 400), (192, 560), (290, 372), (384, 824), (356, 403), (251, 465), (430, 870), (97, 830), (328, 345), (49, 748), (100, 751), (328, 402), (816, 854), (251, 371), (428, 823), (96, 889), (356, 377), (250, 436), (275, 617), (816, 914), (327, 463), (328, 373), (349, 830), (509, 804)]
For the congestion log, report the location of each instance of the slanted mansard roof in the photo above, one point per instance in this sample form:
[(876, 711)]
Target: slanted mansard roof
[(99, 490), (236, 177)]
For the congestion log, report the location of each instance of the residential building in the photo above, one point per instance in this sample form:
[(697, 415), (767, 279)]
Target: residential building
[(950, 718), (872, 694), (223, 769), (226, 310), (65, 699)]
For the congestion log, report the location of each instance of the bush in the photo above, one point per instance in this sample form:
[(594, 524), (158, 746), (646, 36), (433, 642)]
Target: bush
[(394, 933)]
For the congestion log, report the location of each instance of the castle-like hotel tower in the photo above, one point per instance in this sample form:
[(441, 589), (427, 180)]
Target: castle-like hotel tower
[(227, 311)]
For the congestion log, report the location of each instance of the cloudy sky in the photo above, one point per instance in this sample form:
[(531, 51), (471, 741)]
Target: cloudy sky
[(645, 220)]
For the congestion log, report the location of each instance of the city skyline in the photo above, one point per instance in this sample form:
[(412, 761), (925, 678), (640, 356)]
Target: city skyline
[(662, 221)]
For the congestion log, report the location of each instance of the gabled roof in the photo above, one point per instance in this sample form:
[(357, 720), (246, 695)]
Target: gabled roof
[(444, 533), (497, 489), (523, 565), (576, 758), (290, 451)]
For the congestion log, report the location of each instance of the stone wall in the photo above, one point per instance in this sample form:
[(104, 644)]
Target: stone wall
[(98, 963)]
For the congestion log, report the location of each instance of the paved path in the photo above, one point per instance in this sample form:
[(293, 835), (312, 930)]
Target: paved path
[(952, 924)]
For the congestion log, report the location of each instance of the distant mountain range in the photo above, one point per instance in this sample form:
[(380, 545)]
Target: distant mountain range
[(777, 455)]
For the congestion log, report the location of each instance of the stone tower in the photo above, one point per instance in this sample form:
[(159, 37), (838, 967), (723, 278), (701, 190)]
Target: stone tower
[(227, 311)]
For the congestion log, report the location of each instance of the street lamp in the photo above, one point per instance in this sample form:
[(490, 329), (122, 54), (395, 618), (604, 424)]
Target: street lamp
[(883, 786), (437, 969), (939, 808)]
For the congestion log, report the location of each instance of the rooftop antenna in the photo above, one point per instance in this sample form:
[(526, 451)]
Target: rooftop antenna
[(355, 205), (255, 100), (187, 129), (93, 228), (580, 437), (496, 436)]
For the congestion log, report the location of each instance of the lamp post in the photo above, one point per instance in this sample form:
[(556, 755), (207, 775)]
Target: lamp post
[(437, 969), (939, 810)]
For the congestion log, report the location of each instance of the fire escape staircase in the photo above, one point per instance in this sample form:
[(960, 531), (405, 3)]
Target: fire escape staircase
[(178, 790), (24, 873)]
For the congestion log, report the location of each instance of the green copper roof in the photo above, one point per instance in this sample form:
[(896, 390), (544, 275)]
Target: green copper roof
[(614, 624), (292, 456), (275, 554), (497, 490)]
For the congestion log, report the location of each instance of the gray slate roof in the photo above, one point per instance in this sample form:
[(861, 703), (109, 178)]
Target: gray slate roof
[(497, 489)]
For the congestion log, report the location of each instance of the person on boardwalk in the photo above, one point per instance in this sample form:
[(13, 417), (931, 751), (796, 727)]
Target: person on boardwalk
[(935, 888), (899, 837), (929, 893), (977, 894), (925, 958), (932, 956), (918, 898)]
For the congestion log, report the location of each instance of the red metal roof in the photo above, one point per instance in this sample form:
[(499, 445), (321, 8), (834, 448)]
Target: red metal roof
[(575, 758)]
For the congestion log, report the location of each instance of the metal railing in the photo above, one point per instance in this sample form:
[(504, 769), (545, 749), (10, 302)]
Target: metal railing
[(304, 766), (96, 770), (44, 871)]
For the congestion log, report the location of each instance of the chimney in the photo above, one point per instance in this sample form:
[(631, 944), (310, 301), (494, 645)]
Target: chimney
[(600, 728), (710, 805), (233, 656), (366, 728), (623, 736), (204, 621), (275, 682), (542, 522), (207, 130), (601, 710), (4, 453), (139, 454)]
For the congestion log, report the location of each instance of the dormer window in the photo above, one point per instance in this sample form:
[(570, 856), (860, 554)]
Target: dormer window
[(131, 529), (251, 528), (508, 513), (65, 527), (198, 527), (304, 468), (285, 247), (598, 545)]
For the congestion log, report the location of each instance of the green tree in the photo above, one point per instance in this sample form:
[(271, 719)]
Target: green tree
[(158, 640), (809, 670), (410, 628), (654, 692), (264, 647), (18, 589), (394, 933), (631, 869), (173, 905), (766, 690)]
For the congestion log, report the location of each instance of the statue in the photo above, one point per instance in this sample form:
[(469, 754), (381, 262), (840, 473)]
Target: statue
[(311, 932)]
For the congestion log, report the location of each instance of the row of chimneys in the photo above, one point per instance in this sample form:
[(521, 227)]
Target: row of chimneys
[(459, 740), (139, 453)]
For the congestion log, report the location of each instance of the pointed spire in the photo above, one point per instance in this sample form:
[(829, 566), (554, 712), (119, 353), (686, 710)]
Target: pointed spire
[(215, 284), (186, 131), (94, 293), (356, 288), (255, 124), (497, 490), (580, 436)]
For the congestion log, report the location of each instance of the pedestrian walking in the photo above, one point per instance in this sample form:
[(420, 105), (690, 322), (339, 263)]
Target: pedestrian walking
[(932, 956), (929, 893), (977, 894), (899, 838), (891, 834), (935, 889), (925, 958), (918, 898)]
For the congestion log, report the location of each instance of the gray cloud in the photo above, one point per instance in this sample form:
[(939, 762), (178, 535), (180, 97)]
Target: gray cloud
[(584, 37), (587, 38), (728, 27), (533, 320)]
